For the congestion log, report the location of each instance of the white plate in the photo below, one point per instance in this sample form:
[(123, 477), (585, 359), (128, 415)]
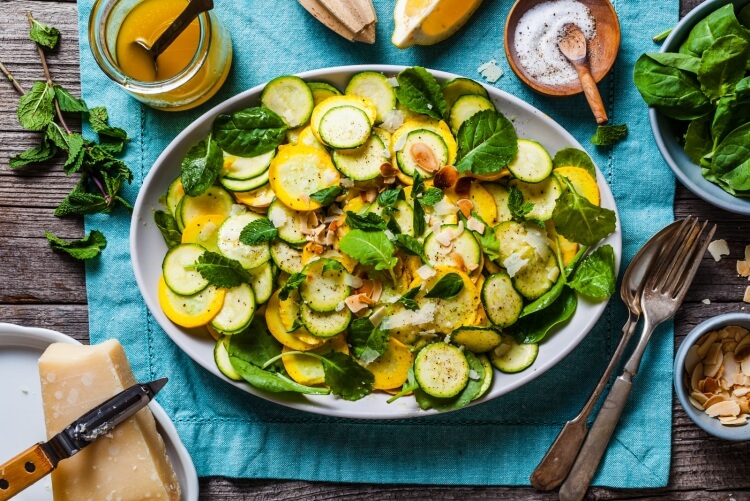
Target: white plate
[(22, 418), (147, 245)]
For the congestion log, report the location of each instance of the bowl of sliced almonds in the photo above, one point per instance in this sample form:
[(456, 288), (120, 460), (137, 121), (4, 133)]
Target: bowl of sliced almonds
[(712, 376)]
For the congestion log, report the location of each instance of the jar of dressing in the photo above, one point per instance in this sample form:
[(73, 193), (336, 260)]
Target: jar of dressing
[(187, 73)]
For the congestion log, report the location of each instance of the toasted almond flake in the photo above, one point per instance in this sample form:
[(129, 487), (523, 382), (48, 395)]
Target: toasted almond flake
[(366, 299), (388, 170), (743, 268), (377, 290), (471, 267), (725, 408), (330, 237), (741, 391), (715, 400), (475, 224), (695, 404), (744, 404), (696, 376), (371, 195), (731, 367), (691, 359), (742, 351), (445, 178), (465, 206), (355, 303), (706, 301), (699, 397), (424, 157), (728, 345), (745, 365), (425, 271), (304, 197), (353, 281), (706, 344), (718, 249), (458, 260), (714, 352), (746, 297), (733, 421), (747, 253), (710, 385), (463, 187)]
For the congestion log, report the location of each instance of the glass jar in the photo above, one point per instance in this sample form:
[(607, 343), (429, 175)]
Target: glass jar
[(193, 85)]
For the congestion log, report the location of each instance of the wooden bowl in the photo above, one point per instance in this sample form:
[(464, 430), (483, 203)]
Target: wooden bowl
[(602, 50)]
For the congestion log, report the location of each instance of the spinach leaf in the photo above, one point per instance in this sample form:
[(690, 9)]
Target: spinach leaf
[(46, 36), (595, 277), (723, 65), (36, 108), (409, 386), (366, 222), (201, 166), (249, 132), (672, 91), (732, 110), (410, 245), (684, 62), (732, 151), (720, 22), (487, 142), (447, 287), (408, 298), (258, 231), (220, 271), (87, 247), (168, 227), (579, 220), (738, 179), (326, 196), (698, 139), (533, 328), (367, 341), (607, 135), (256, 345), (370, 249), (292, 284), (345, 377), (573, 157), (419, 92), (273, 382)]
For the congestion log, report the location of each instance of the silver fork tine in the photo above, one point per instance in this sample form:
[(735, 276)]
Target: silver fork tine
[(690, 267), (684, 254), (666, 257)]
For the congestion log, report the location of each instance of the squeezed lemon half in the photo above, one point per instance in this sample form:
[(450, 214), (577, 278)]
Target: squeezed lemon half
[(426, 22)]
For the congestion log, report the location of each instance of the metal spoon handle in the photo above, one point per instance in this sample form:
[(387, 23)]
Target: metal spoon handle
[(194, 8), (556, 464)]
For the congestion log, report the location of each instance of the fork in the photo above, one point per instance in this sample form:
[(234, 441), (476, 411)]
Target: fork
[(661, 297)]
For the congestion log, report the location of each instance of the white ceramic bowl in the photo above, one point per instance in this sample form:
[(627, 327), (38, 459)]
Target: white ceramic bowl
[(147, 247), (665, 130)]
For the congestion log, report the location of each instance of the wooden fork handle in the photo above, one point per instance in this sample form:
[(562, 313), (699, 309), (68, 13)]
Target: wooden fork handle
[(591, 91), (23, 470)]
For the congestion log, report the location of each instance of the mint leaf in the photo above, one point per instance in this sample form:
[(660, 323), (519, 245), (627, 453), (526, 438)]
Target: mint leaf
[(332, 265), (69, 103), (72, 143), (367, 222), (579, 220), (487, 142), (201, 166), (487, 241), (292, 284), (388, 198), (36, 108), (607, 135), (99, 121), (595, 276), (518, 209), (45, 151), (431, 196), (46, 36), (168, 227), (447, 287), (258, 231), (410, 245), (367, 341), (88, 247), (326, 196), (573, 157), (419, 92), (79, 201), (249, 132), (408, 298), (370, 249), (220, 271), (345, 377)]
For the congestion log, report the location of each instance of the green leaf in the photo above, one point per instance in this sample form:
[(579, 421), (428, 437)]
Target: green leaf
[(723, 65), (46, 36), (36, 108), (168, 227), (419, 92), (332, 265), (366, 222), (410, 245), (370, 249), (201, 166), (595, 277), (258, 231), (607, 135), (732, 111), (744, 16), (533, 328), (487, 142), (45, 151), (579, 220), (220, 271), (326, 196), (88, 247), (408, 298), (418, 219), (447, 287), (698, 139), (345, 377), (273, 382), (431, 196), (256, 346), (249, 132), (573, 157), (69, 103), (737, 179), (388, 198), (79, 201), (684, 62), (99, 121), (488, 240), (409, 386), (417, 187), (367, 341), (292, 284), (71, 143), (733, 151), (516, 205), (720, 22)]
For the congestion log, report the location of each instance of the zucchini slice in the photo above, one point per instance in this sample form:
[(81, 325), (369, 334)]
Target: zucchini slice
[(246, 167), (175, 192), (324, 289), (499, 194), (477, 339), (511, 357), (332, 102), (290, 230), (299, 171), (465, 107), (543, 195), (237, 311), (512, 239), (324, 325), (363, 163), (344, 127), (176, 275), (437, 126), (322, 91), (403, 214), (502, 303), (409, 163), (249, 256), (441, 370), (453, 89), (242, 185), (215, 200), (290, 98), (221, 357), (258, 198), (465, 245), (261, 281), (538, 276), (204, 231), (286, 257), (375, 87), (532, 163)]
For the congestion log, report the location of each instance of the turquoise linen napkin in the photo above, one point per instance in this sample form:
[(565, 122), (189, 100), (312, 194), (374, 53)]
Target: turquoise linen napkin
[(234, 434)]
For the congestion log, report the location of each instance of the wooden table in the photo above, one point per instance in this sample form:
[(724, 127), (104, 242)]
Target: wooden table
[(44, 289)]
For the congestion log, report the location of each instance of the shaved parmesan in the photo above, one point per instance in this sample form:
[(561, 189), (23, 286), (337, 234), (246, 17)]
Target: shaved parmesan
[(393, 120), (553, 274), (400, 143), (353, 281), (330, 177), (514, 263), (539, 242), (718, 248), (389, 235), (277, 218), (377, 316), (425, 271), (475, 224), (405, 318), (368, 356), (207, 231), (444, 207), (346, 182), (237, 209)]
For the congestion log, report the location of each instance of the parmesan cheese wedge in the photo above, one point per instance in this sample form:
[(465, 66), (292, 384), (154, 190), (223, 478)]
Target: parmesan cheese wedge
[(128, 464)]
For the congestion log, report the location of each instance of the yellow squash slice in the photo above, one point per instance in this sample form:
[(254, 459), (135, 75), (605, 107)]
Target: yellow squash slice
[(299, 171), (190, 311)]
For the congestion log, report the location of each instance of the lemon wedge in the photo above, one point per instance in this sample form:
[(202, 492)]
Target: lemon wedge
[(426, 22)]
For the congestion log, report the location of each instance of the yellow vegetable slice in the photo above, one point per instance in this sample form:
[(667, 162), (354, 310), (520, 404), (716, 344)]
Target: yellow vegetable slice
[(568, 249), (307, 138), (454, 312), (484, 203), (277, 329), (203, 230), (426, 22), (299, 171), (437, 126), (190, 311), (309, 370), (583, 182), (392, 367), (258, 198), (336, 101)]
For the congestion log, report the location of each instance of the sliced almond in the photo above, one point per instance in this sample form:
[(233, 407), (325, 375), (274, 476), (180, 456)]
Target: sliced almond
[(743, 268), (733, 421), (741, 391), (714, 352), (725, 384), (714, 400), (743, 349), (746, 366), (445, 178), (711, 370), (725, 408), (746, 297), (744, 405), (696, 376), (699, 397), (711, 385), (463, 187), (465, 205), (707, 343), (388, 170), (695, 404), (424, 157), (691, 359), (728, 345)]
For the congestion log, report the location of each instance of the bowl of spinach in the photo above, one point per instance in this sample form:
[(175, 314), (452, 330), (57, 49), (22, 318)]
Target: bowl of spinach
[(698, 90)]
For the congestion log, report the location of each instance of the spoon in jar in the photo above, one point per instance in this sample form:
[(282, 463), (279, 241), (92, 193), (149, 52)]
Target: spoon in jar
[(194, 7), (556, 464), (574, 47)]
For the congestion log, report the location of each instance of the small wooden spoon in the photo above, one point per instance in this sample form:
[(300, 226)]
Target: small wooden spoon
[(573, 46)]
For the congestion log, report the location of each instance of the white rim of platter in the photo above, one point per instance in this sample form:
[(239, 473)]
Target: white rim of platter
[(146, 243), (22, 420)]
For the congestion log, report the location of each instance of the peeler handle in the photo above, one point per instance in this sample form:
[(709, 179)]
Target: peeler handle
[(23, 470)]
